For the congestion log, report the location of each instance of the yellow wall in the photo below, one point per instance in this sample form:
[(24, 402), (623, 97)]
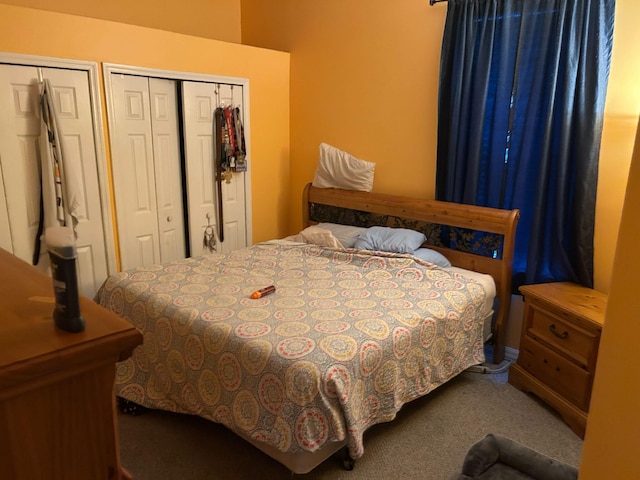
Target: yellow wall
[(621, 118), (356, 65), (611, 443), (217, 19), (37, 32)]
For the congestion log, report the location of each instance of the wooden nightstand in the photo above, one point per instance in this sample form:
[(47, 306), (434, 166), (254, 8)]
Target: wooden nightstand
[(561, 332)]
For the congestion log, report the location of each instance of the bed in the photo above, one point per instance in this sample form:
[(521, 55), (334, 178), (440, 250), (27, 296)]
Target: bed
[(349, 336)]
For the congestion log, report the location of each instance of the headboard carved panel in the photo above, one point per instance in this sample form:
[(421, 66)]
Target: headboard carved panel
[(468, 240)]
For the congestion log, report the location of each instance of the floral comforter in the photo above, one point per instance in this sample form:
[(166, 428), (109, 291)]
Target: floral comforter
[(347, 338)]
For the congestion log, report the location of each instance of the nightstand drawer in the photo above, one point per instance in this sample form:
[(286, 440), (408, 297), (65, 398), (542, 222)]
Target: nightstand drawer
[(577, 343), (563, 376)]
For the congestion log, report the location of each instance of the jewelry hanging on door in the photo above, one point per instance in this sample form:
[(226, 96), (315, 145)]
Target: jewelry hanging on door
[(231, 133), (227, 160), (209, 239), (241, 163)]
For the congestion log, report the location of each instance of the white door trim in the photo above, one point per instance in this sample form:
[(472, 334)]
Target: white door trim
[(109, 68), (98, 132)]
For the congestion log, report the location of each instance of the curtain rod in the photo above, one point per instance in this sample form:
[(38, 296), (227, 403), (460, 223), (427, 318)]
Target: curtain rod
[(433, 2)]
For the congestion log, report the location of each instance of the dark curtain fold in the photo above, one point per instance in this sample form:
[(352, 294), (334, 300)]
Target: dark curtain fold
[(521, 102)]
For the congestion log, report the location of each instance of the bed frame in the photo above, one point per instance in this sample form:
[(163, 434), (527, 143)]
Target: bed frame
[(475, 238)]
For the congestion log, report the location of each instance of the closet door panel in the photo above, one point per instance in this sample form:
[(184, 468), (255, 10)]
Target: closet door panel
[(199, 103), (19, 154), (233, 193), (5, 228), (200, 100), (167, 168), (21, 144), (133, 172), (72, 105), (234, 222)]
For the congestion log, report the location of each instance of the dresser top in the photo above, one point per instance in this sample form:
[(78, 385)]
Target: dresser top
[(28, 335), (571, 298)]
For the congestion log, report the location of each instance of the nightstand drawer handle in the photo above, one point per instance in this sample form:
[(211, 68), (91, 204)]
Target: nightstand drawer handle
[(553, 330)]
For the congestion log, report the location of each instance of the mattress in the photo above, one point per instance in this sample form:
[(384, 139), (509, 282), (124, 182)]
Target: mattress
[(489, 286), (344, 233)]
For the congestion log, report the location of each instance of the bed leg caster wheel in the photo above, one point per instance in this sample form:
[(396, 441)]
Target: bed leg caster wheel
[(347, 462), (129, 407)]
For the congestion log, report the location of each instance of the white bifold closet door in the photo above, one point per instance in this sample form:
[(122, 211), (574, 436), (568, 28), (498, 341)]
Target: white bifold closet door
[(20, 126), (146, 170), (200, 100)]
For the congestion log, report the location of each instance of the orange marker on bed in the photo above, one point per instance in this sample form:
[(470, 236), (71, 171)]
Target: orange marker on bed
[(263, 291)]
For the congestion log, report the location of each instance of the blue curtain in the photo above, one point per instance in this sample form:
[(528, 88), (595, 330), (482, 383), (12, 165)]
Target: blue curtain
[(520, 112)]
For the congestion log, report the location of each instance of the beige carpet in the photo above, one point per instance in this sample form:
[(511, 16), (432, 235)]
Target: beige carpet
[(428, 439)]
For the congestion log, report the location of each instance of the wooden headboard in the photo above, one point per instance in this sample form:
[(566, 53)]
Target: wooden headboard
[(475, 238)]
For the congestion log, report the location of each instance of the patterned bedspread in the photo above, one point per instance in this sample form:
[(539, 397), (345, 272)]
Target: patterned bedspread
[(347, 338)]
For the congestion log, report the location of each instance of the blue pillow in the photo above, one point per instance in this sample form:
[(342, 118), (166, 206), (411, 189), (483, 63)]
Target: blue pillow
[(432, 256), (387, 239)]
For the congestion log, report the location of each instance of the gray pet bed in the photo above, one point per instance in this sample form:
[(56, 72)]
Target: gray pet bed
[(498, 458)]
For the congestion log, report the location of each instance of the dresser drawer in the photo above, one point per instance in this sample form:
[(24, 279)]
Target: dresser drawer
[(560, 374), (578, 343)]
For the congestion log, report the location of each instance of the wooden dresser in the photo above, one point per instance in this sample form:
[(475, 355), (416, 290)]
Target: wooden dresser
[(57, 413), (561, 332)]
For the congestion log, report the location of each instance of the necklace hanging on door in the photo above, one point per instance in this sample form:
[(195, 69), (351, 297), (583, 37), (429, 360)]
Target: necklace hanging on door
[(240, 154)]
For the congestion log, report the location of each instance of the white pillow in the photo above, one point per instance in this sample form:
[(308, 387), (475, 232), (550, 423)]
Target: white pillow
[(338, 169), (346, 234), (318, 236)]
